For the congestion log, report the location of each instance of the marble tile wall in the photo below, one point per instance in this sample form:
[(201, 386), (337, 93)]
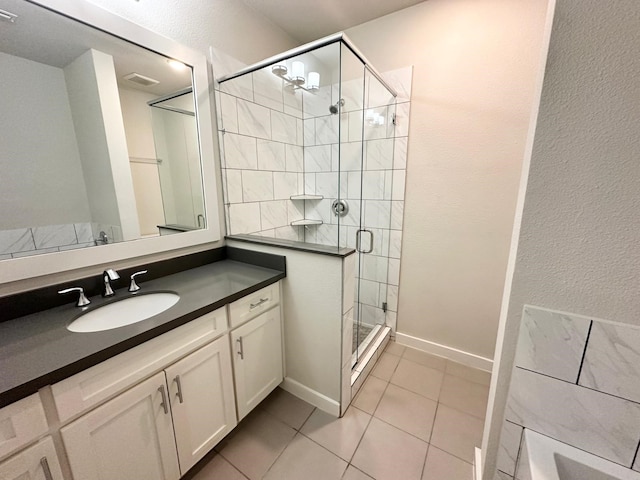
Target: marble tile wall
[(277, 143), (577, 380), (261, 136), (371, 178), (25, 242)]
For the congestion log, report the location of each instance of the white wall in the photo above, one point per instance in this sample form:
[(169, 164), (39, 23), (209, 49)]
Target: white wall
[(578, 244), (136, 115), (475, 64), (95, 107), (41, 182)]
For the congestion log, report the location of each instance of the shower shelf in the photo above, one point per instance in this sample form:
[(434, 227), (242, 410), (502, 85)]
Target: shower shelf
[(305, 221), (306, 197)]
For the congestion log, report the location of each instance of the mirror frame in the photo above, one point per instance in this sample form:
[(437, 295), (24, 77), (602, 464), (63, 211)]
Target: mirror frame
[(51, 263)]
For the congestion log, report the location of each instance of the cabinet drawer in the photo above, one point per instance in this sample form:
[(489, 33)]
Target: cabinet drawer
[(20, 423), (100, 382), (254, 304), (37, 461)]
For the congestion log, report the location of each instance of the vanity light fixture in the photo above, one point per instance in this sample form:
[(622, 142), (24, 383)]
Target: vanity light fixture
[(8, 16), (297, 78)]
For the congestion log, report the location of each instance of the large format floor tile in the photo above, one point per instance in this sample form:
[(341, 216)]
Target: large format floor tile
[(464, 395), (338, 435), (426, 359), (218, 468), (416, 417), (386, 366), (472, 374), (370, 394), (388, 453), (457, 432), (256, 444), (441, 465), (288, 408), (417, 378), (304, 459), (408, 411)]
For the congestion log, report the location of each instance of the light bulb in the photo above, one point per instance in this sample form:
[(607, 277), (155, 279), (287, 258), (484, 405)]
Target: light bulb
[(297, 69), (314, 80)]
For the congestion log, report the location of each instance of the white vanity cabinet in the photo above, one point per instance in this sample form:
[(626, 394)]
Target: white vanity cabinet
[(257, 348), (37, 462), (132, 435), (202, 401)]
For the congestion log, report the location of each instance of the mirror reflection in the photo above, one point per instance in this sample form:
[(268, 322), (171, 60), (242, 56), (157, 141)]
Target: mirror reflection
[(100, 140)]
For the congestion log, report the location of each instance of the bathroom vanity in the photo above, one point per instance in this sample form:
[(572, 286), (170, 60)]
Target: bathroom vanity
[(147, 400)]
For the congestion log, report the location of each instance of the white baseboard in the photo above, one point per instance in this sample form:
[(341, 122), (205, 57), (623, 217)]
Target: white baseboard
[(477, 464), (451, 353), (316, 399)]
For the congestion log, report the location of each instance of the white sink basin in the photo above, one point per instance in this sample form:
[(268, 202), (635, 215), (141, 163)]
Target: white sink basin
[(124, 312)]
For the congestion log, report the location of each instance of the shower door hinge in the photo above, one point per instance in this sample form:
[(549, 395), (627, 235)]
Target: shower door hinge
[(393, 118), (384, 307)]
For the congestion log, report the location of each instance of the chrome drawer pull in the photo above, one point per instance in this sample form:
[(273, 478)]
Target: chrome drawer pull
[(241, 352), (256, 305), (179, 385), (45, 468), (164, 403)]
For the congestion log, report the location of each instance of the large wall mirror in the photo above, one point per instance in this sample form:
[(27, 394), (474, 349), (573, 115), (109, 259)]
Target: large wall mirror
[(107, 147)]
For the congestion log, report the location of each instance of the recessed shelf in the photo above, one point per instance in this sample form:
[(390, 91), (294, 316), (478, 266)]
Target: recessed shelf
[(305, 221), (306, 197)]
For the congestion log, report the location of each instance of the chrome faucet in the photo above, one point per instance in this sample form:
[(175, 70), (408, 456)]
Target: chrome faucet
[(108, 276)]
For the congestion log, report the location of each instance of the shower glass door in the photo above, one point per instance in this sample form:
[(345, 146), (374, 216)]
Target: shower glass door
[(366, 175)]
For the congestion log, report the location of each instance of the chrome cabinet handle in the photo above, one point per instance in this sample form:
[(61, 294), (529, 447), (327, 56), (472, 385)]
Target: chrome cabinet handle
[(83, 301), (179, 385), (256, 305), (241, 352), (133, 286), (164, 403), (45, 468)]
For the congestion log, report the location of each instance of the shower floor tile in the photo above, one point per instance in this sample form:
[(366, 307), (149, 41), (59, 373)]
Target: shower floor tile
[(376, 439)]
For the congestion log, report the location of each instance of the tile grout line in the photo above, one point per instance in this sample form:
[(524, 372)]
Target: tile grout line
[(584, 352), (635, 456)]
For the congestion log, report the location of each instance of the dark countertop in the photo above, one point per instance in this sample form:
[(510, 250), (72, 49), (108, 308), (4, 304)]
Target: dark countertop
[(293, 245), (37, 350)]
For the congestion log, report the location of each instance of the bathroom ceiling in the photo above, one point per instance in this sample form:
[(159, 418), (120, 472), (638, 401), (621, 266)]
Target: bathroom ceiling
[(307, 20), (45, 37)]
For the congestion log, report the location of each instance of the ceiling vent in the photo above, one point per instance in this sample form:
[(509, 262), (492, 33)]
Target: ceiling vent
[(141, 80)]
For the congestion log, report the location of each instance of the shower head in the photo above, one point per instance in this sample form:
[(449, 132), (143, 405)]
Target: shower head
[(336, 107)]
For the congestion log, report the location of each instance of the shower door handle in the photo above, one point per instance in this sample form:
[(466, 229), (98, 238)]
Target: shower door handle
[(359, 239)]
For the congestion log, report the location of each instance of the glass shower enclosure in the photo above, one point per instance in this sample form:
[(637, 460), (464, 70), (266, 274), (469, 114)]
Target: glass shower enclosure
[(308, 145)]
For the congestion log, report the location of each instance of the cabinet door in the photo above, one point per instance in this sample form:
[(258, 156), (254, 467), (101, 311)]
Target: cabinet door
[(129, 437), (257, 359), (38, 462), (201, 392)]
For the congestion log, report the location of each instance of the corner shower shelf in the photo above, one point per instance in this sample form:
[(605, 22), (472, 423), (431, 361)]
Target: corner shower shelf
[(305, 221), (306, 197)]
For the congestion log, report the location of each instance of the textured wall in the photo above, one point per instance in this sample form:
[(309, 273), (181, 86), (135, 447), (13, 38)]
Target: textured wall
[(578, 246), (475, 64)]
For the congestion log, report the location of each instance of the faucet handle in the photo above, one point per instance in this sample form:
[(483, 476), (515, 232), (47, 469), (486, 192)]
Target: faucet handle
[(83, 301), (133, 287)]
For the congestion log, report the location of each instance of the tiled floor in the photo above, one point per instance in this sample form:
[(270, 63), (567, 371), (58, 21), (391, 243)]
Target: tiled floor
[(417, 417)]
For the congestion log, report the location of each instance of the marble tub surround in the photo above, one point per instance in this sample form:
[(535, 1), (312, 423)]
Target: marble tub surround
[(552, 343), (612, 361), (575, 380)]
